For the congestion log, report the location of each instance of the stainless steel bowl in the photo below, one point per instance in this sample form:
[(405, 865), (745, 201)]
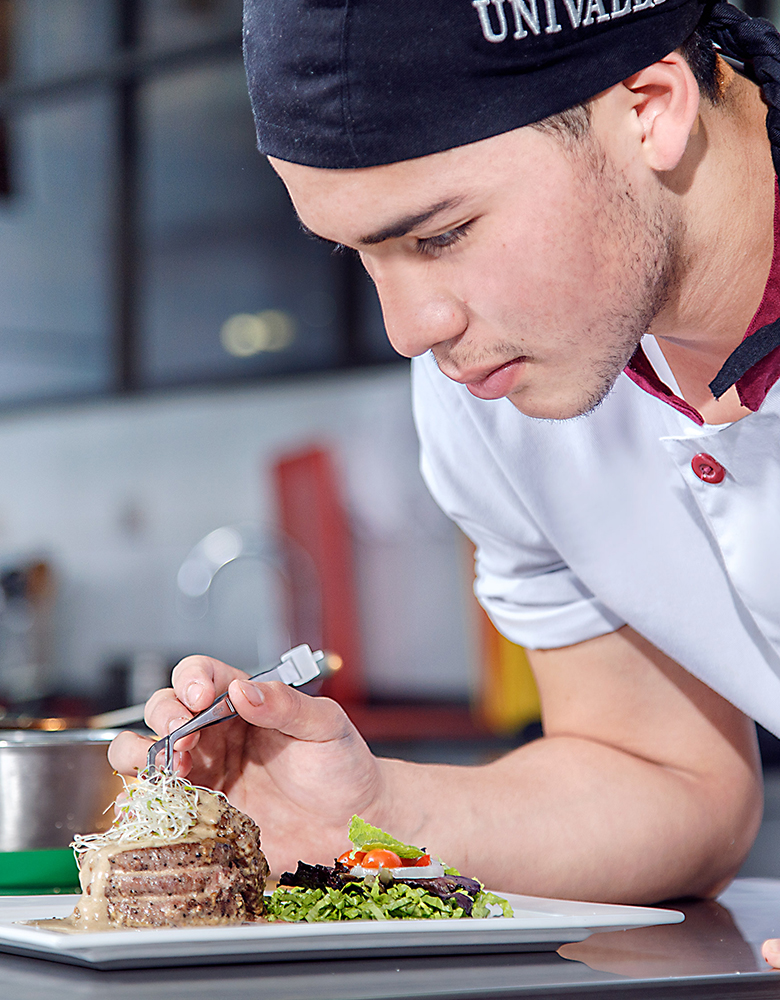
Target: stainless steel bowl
[(54, 785)]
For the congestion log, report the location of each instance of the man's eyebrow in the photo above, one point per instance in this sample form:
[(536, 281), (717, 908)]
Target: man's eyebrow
[(409, 222), (395, 229)]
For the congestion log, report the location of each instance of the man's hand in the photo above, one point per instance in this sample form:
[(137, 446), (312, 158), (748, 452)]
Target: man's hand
[(296, 764)]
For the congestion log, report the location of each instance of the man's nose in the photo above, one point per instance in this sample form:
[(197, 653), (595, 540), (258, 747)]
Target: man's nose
[(419, 313)]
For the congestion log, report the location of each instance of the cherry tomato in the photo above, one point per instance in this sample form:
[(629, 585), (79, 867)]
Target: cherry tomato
[(422, 861), (381, 858), (352, 857)]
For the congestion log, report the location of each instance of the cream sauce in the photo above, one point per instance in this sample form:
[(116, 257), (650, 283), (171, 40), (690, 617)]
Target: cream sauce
[(64, 925)]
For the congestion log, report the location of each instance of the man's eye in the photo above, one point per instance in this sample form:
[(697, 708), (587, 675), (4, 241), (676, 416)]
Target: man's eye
[(433, 245)]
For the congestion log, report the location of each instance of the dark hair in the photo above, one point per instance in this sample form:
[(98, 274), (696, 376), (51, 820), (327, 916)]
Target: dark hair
[(698, 52)]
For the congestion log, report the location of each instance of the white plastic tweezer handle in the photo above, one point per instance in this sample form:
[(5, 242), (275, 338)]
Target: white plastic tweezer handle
[(296, 667)]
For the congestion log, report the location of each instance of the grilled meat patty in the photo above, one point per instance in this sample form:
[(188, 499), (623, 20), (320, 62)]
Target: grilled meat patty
[(198, 883)]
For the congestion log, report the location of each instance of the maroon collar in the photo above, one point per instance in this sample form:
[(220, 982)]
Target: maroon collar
[(759, 378)]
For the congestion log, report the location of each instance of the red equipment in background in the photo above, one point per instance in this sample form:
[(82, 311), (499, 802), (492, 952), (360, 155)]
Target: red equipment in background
[(313, 515)]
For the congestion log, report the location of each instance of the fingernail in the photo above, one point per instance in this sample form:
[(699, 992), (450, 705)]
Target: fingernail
[(175, 723), (252, 693), (192, 694)]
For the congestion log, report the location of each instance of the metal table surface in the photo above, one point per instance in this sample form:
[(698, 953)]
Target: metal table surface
[(714, 954)]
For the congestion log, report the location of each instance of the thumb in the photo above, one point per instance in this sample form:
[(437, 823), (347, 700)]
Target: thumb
[(274, 705), (771, 952)]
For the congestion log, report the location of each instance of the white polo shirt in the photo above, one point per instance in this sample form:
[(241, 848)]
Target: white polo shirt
[(584, 525)]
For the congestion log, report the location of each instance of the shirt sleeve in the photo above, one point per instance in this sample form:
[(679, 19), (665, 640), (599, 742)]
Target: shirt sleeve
[(527, 589)]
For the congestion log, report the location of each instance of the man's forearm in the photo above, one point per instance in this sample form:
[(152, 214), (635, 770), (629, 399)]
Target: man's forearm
[(570, 817)]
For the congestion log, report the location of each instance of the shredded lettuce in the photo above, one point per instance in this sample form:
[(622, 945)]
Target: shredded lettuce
[(484, 903), (363, 901), (360, 901), (365, 837)]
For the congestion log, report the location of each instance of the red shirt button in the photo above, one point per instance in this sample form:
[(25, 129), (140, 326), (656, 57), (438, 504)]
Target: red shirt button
[(707, 469)]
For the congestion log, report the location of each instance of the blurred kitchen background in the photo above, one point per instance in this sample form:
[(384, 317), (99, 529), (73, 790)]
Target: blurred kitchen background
[(195, 397), (206, 443)]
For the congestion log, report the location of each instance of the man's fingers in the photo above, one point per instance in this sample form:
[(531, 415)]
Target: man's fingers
[(164, 713), (158, 708), (198, 680), (267, 705), (771, 952), (127, 754), (273, 705)]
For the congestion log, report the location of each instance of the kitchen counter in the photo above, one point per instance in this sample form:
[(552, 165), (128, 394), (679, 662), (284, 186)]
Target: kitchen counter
[(714, 954)]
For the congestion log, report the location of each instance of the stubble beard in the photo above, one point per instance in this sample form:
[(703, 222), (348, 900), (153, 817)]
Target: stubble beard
[(647, 242)]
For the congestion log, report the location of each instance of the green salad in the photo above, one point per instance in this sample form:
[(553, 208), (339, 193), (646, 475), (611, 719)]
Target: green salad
[(322, 892)]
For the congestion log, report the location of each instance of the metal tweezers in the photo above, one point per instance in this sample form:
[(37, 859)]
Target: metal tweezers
[(296, 667)]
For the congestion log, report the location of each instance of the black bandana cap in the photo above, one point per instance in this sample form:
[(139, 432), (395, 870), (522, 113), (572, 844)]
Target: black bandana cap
[(358, 83)]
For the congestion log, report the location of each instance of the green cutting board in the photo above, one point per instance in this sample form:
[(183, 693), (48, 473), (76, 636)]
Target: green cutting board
[(34, 872)]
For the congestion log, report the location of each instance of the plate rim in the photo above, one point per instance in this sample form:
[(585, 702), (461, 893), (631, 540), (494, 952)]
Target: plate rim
[(281, 941)]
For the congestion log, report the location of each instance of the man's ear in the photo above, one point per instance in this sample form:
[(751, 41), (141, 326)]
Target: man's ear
[(665, 101)]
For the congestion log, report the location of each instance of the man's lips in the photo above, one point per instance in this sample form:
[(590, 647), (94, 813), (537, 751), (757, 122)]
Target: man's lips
[(496, 383)]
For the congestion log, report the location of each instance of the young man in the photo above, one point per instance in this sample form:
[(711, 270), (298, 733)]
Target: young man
[(570, 278)]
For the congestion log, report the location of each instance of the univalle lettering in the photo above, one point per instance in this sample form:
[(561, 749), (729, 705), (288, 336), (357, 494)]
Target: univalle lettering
[(520, 18)]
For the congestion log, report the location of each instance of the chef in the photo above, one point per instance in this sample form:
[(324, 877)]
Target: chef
[(570, 213)]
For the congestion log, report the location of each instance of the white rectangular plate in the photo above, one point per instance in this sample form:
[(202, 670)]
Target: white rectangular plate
[(538, 925)]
